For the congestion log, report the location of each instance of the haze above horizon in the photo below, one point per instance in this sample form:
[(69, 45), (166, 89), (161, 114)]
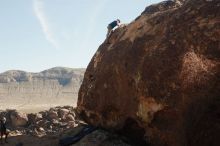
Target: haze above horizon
[(41, 34)]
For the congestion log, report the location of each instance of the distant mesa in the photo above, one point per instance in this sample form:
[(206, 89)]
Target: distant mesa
[(58, 86), (63, 75)]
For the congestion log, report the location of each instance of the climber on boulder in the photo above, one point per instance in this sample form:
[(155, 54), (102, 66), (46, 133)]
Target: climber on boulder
[(111, 26), (4, 130)]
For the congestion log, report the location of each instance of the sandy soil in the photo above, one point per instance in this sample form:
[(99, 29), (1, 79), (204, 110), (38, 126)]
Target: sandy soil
[(34, 108)]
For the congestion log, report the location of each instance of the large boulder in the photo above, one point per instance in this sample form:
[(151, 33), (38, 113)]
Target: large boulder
[(18, 119), (159, 78)]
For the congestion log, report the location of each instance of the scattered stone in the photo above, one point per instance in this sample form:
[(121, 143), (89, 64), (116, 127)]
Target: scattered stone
[(69, 118), (63, 113), (18, 119), (41, 129), (71, 124), (53, 114), (55, 122), (38, 124), (33, 118)]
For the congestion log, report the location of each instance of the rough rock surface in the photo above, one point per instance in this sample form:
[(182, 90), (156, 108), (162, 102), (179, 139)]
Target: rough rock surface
[(54, 86), (101, 138), (159, 78), (63, 112), (18, 119)]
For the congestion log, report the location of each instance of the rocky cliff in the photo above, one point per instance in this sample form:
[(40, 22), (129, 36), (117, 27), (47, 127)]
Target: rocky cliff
[(54, 86), (158, 81)]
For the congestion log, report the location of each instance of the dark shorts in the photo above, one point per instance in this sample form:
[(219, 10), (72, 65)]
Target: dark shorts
[(109, 27), (4, 131)]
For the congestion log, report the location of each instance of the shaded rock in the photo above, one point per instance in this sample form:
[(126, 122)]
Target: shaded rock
[(69, 118), (63, 124), (159, 77), (15, 133), (18, 119), (73, 114), (44, 114), (63, 113), (41, 129), (19, 144), (33, 118), (72, 124), (53, 115), (55, 122), (38, 116), (101, 138), (43, 123), (84, 135), (50, 127)]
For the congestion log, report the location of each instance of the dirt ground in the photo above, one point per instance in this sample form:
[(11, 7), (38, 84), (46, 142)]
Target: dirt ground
[(27, 140), (33, 108)]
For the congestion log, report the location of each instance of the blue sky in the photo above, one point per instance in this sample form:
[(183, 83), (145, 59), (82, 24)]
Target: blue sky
[(39, 34)]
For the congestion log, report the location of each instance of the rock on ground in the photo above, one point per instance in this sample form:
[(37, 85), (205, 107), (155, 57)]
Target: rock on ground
[(18, 119), (101, 138)]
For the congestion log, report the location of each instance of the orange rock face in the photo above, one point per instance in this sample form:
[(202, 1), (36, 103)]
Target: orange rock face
[(159, 78)]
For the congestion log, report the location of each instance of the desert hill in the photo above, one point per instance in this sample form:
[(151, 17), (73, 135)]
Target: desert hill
[(25, 90)]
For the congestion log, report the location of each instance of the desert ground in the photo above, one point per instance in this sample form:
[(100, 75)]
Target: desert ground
[(28, 140), (34, 108)]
